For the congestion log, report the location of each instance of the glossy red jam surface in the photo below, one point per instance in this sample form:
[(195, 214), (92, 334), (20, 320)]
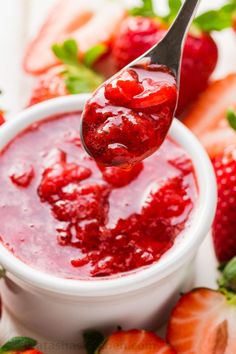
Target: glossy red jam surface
[(62, 214), (127, 119)]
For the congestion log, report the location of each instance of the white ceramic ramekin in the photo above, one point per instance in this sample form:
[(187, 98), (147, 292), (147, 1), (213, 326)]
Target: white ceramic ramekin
[(60, 309)]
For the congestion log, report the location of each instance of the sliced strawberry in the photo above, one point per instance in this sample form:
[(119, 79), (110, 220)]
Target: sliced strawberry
[(71, 19), (203, 322), (135, 342), (206, 118)]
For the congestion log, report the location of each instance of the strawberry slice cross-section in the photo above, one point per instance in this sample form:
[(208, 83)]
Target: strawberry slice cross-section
[(80, 20)]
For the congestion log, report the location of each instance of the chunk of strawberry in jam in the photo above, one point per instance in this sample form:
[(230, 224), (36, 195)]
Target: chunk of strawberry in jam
[(119, 177), (168, 201), (142, 238), (22, 174), (88, 202), (124, 89), (182, 164), (128, 118), (59, 175)]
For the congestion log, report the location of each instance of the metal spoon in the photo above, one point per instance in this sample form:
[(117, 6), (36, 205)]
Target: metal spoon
[(169, 50)]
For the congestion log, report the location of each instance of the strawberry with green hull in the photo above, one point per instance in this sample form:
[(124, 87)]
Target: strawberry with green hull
[(224, 227), (200, 56), (20, 345), (204, 320), (72, 76), (129, 342)]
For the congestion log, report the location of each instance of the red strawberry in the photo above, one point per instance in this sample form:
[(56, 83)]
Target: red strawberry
[(135, 342), (200, 57), (71, 77), (224, 227), (204, 322), (49, 85), (2, 118), (138, 34)]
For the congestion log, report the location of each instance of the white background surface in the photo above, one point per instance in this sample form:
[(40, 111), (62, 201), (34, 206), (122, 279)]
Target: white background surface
[(19, 20)]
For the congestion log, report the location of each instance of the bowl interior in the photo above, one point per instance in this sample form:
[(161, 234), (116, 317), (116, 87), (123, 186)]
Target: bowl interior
[(186, 244)]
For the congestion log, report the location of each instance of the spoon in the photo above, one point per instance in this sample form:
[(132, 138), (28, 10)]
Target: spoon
[(128, 117), (169, 51)]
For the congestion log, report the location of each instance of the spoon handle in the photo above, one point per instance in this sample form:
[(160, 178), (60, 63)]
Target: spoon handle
[(183, 20), (169, 50)]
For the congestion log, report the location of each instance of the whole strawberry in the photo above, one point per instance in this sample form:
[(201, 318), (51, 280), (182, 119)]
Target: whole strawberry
[(224, 227), (200, 57), (136, 35)]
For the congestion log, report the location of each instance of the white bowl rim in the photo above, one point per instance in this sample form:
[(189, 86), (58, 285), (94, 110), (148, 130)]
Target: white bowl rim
[(170, 262)]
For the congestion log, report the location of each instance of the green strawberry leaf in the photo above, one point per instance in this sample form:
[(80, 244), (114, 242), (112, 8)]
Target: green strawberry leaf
[(146, 9), (227, 281), (79, 77), (216, 20), (231, 117), (18, 343), (92, 341), (93, 54), (66, 52)]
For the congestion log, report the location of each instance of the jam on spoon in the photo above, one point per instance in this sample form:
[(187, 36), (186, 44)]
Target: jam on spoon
[(128, 117)]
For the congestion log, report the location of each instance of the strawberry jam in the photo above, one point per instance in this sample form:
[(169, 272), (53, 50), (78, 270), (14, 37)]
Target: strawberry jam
[(63, 214), (128, 117)]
